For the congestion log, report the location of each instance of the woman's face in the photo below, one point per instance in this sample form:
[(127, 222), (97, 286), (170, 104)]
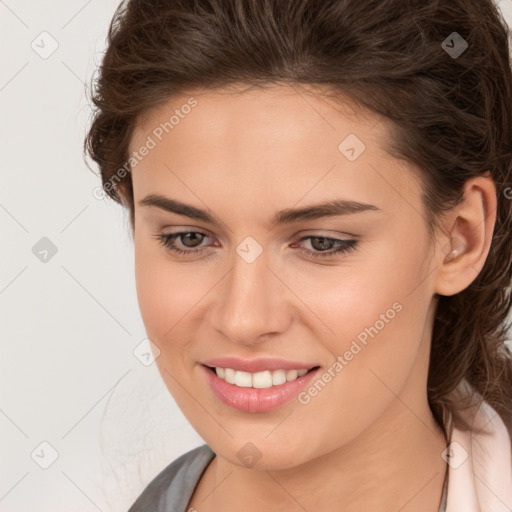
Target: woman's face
[(250, 288)]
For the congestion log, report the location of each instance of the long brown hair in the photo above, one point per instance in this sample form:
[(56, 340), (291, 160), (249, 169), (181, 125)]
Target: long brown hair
[(449, 107)]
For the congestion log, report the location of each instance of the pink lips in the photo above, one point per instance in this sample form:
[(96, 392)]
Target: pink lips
[(256, 399)]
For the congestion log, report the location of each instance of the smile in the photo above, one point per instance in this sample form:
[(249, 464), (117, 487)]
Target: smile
[(264, 379), (256, 392)]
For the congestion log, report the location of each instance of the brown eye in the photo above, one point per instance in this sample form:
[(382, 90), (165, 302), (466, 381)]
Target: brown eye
[(325, 247), (184, 242), (191, 239), (323, 244)]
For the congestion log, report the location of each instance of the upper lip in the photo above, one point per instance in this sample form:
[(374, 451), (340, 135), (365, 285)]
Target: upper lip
[(257, 365)]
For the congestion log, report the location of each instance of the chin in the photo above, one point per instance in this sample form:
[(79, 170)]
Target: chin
[(262, 455)]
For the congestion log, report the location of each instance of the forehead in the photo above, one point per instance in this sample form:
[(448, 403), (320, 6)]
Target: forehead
[(291, 112), (275, 143)]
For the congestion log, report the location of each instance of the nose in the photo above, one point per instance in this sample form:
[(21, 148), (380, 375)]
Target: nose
[(250, 303)]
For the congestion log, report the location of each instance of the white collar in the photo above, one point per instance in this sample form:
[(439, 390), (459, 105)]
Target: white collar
[(480, 465)]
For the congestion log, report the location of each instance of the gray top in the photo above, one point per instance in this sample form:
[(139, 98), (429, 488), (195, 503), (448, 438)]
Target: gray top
[(172, 488)]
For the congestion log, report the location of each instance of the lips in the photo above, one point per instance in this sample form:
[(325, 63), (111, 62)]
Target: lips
[(253, 400), (257, 365)]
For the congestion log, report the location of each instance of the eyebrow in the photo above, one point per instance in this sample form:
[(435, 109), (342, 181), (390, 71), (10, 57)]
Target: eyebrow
[(288, 216)]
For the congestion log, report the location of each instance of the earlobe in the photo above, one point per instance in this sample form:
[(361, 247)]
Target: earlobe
[(467, 244)]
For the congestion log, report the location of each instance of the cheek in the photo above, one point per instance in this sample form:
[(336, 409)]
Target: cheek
[(378, 328), (374, 312), (160, 294), (169, 295), (355, 295)]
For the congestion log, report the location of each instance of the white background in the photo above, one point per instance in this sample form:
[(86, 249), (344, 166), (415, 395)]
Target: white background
[(69, 325)]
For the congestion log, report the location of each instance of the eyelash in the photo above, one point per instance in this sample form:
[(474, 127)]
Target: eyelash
[(168, 241)]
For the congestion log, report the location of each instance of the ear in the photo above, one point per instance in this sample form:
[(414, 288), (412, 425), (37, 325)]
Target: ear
[(467, 235)]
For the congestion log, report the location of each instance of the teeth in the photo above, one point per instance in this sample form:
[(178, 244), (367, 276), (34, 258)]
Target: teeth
[(263, 379), (243, 379), (278, 377), (291, 375), (229, 375)]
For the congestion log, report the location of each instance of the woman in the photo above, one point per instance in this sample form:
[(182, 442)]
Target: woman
[(320, 201)]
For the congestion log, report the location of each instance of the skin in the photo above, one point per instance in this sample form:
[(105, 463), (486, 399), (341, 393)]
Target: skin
[(368, 440)]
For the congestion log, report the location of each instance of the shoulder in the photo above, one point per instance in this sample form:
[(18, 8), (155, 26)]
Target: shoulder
[(480, 463), (172, 488)]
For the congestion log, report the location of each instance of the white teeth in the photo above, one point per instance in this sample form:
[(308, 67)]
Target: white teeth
[(291, 375), (229, 375), (243, 379), (278, 377), (264, 379)]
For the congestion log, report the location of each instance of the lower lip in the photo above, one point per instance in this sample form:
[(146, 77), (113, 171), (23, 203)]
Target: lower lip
[(257, 399)]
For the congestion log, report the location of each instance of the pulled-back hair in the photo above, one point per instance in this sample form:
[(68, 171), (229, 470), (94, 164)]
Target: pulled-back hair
[(450, 115)]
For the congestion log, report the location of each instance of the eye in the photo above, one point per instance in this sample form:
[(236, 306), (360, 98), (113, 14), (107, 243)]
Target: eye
[(321, 245), (192, 241), (194, 238)]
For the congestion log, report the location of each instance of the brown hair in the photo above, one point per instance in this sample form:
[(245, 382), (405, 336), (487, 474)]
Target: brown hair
[(450, 114)]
